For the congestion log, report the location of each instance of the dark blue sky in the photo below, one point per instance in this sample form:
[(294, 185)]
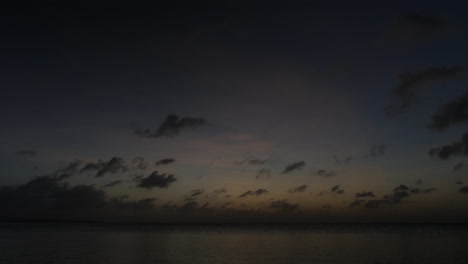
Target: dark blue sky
[(344, 94)]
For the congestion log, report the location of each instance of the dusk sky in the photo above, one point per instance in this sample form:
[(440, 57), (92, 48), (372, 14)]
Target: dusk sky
[(243, 111)]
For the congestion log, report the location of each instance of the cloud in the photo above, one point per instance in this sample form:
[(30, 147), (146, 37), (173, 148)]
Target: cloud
[(357, 202), (459, 182), (263, 173), (114, 165), (251, 162), (49, 197), (112, 184), (165, 161), (407, 92), (301, 188), (422, 191), (399, 193), (139, 163), (27, 153), (344, 161), (294, 166), (325, 173), (377, 151), (446, 151), (337, 189), (156, 180), (255, 162), (254, 193), (419, 182), (283, 205), (68, 171), (459, 166), (193, 194), (364, 194), (463, 190), (172, 126), (451, 113)]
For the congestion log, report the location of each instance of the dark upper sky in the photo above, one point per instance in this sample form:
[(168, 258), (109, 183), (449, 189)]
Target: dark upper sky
[(235, 111)]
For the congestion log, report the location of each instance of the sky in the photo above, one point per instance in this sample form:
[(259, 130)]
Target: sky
[(233, 111)]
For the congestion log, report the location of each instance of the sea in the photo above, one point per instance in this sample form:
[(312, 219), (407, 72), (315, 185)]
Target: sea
[(94, 243)]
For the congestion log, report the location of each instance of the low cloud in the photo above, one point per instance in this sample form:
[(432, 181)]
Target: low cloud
[(112, 184), (422, 191), (263, 173), (156, 180), (325, 173), (254, 193), (165, 161), (139, 163), (447, 151), (283, 206), (357, 202), (450, 114), (344, 161), (337, 189), (172, 126), (298, 189), (114, 165), (364, 194), (463, 190), (294, 166), (407, 90)]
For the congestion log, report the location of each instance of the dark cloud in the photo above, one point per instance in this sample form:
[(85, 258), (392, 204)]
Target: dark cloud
[(68, 171), (122, 203), (364, 194), (401, 188), (217, 192), (377, 151), (172, 126), (459, 166), (399, 193), (50, 198), (451, 113), (455, 149), (139, 163), (263, 173), (463, 190), (112, 184), (255, 162), (344, 161), (294, 166), (337, 189), (459, 182), (27, 153), (251, 162), (422, 191), (297, 189), (193, 194), (255, 193), (165, 161), (156, 180), (114, 165), (406, 91), (357, 202), (325, 173), (283, 205), (419, 182)]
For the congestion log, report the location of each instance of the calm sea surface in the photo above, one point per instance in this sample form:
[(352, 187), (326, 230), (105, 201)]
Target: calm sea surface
[(99, 243)]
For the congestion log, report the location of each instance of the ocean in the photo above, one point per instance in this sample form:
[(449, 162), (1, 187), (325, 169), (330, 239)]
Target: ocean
[(234, 244)]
